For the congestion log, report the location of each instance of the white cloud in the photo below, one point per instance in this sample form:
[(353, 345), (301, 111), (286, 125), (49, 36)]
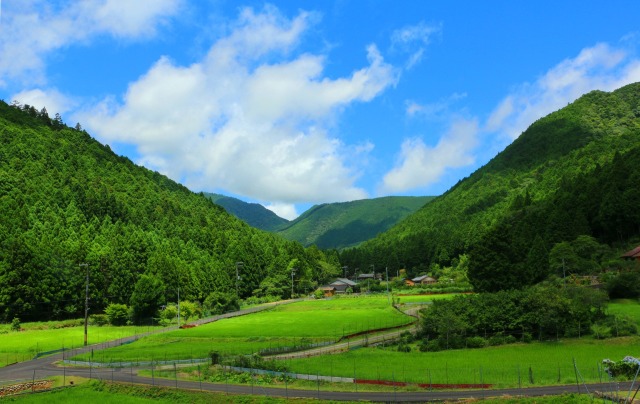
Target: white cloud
[(600, 67), (413, 39), (52, 100), (419, 165), (33, 29), (284, 210), (250, 118)]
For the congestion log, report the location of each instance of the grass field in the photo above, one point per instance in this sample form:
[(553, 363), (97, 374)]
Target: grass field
[(18, 346), (625, 307), (503, 366), (293, 324)]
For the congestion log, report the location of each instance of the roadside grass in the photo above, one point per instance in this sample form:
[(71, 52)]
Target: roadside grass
[(117, 393), (18, 346), (297, 323), (515, 365)]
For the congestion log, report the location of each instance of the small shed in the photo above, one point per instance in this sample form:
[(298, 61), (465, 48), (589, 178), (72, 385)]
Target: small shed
[(328, 291)]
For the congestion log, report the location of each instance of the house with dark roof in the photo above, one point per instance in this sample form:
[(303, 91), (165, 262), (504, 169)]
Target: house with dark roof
[(342, 284), (421, 280)]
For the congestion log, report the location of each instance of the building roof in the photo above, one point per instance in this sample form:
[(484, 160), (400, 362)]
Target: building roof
[(635, 253), (366, 276), (343, 281), (423, 278)]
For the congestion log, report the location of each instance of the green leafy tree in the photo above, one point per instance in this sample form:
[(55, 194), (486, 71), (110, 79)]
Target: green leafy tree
[(147, 297)]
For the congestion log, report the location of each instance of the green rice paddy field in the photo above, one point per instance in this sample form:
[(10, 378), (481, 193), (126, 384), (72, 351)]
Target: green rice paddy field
[(313, 321), (18, 346)]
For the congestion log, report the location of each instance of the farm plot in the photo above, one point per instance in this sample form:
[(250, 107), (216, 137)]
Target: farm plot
[(18, 346), (516, 365), (302, 323)]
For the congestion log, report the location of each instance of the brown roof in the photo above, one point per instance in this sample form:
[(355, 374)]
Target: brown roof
[(635, 253)]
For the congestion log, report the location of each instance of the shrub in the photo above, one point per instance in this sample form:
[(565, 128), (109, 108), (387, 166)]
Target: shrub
[(496, 340), (118, 314), (626, 367), (510, 339), (402, 347), (98, 319), (526, 337), (476, 342), (15, 324)]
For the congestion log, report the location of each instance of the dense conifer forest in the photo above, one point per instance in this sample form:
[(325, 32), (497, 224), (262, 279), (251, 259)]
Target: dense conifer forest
[(67, 200)]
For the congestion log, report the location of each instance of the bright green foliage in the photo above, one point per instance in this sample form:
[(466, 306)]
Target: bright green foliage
[(189, 310), (118, 314), (544, 311), (219, 302), (65, 199), (572, 173), (147, 297)]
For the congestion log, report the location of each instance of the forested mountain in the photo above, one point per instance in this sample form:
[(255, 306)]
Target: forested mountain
[(254, 214), (65, 200), (572, 173), (346, 224)]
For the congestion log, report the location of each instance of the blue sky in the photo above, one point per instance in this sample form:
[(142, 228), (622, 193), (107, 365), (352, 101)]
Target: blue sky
[(293, 103)]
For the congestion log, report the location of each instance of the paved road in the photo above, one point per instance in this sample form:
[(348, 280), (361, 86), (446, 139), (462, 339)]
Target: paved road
[(45, 367)]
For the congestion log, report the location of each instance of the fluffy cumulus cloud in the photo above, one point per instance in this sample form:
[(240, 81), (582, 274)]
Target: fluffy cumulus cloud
[(420, 165), (33, 29), (601, 67), (252, 117)]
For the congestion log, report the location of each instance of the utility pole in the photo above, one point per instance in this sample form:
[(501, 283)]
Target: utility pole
[(238, 264), (86, 303), (344, 270), (293, 271), (386, 270), (178, 306)]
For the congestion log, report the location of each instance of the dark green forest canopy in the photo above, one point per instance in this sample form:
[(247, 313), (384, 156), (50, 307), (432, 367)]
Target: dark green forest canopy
[(65, 199), (573, 172)]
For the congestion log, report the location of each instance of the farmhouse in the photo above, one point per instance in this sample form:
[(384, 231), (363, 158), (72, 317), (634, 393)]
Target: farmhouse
[(632, 254), (342, 284), (421, 280)]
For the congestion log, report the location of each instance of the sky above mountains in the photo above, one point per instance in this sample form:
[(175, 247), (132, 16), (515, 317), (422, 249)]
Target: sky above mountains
[(294, 103)]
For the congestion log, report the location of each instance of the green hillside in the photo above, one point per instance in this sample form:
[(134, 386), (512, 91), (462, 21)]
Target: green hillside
[(346, 224), (570, 173), (254, 214), (65, 199)]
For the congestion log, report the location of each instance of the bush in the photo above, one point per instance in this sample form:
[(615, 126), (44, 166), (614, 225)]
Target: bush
[(98, 319), (526, 337), (118, 314), (218, 303), (15, 324), (510, 339), (402, 347), (496, 340), (476, 342), (430, 346)]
